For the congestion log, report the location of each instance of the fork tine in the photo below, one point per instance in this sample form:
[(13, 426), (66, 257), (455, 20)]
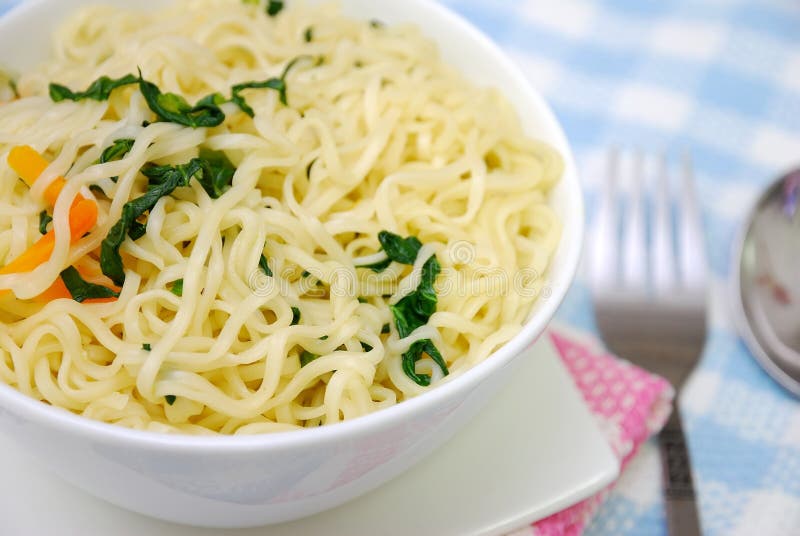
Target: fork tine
[(604, 260), (635, 247), (662, 251), (692, 248)]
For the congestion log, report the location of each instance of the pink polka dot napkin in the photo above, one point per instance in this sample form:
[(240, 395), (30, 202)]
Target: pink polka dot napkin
[(631, 405)]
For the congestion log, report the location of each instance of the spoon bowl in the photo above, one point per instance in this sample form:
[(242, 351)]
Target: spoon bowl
[(766, 281)]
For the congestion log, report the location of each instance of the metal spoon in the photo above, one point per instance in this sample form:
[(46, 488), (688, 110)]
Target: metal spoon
[(766, 281)]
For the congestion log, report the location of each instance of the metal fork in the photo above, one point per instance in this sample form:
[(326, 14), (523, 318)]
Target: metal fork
[(649, 292)]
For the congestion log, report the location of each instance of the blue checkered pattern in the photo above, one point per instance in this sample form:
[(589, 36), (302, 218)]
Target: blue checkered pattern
[(721, 77)]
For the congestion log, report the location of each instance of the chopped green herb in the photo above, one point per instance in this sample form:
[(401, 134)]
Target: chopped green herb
[(278, 84), (163, 181), (378, 266), (217, 173), (262, 263), (116, 151), (146, 347), (274, 7), (99, 90), (174, 108), (295, 316), (170, 399), (177, 287), (305, 273), (44, 221), (307, 357), (415, 309), (362, 299), (324, 338), (308, 35), (402, 250), (82, 290)]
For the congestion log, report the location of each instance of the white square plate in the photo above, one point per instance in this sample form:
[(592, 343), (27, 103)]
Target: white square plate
[(533, 451)]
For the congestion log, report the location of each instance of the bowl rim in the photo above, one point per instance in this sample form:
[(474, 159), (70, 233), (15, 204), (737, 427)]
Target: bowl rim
[(72, 423)]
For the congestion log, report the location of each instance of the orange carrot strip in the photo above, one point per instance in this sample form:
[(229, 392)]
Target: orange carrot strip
[(82, 218), (30, 165)]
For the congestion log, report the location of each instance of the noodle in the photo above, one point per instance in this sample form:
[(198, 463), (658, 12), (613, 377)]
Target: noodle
[(377, 134)]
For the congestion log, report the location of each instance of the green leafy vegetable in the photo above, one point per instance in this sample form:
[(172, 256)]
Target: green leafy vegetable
[(170, 399), (174, 108), (177, 287), (82, 290), (116, 151), (415, 309), (146, 347), (274, 7), (163, 181), (402, 250), (278, 84), (362, 299), (262, 263), (217, 172), (307, 357), (44, 221), (378, 266), (295, 316), (99, 90), (308, 35)]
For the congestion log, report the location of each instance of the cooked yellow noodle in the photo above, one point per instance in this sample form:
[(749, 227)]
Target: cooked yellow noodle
[(398, 141)]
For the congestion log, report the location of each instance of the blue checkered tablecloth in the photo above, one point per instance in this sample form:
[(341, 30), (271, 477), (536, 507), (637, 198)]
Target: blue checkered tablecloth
[(721, 77)]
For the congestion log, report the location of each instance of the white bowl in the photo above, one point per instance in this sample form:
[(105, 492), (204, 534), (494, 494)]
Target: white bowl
[(256, 480)]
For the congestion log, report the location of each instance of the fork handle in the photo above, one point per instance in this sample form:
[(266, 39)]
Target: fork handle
[(682, 517)]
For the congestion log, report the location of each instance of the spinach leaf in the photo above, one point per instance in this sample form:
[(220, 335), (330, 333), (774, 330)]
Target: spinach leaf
[(99, 90), (170, 399), (415, 309), (377, 266), (262, 263), (116, 151), (163, 181), (44, 221), (217, 172), (82, 290), (278, 84), (402, 250), (413, 355), (307, 357), (137, 230), (274, 7), (174, 108), (177, 288), (295, 316)]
